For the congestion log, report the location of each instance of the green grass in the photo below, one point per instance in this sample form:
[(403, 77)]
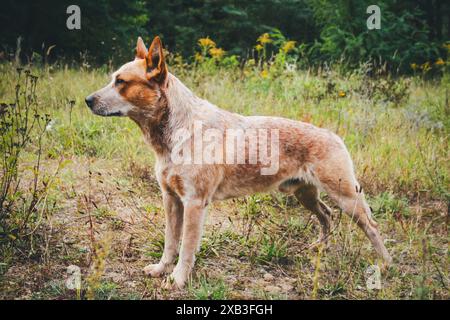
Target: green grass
[(398, 141), (209, 289)]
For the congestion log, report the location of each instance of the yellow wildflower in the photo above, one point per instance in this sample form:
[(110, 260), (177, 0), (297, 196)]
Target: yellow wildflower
[(264, 38), (206, 43), (264, 74), (440, 62), (289, 46), (258, 47), (414, 66), (217, 53), (198, 57), (342, 94)]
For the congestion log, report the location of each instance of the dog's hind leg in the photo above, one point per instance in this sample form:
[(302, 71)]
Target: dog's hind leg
[(357, 208), (338, 180), (308, 195)]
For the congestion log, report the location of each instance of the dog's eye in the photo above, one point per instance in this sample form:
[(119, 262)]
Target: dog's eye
[(119, 81)]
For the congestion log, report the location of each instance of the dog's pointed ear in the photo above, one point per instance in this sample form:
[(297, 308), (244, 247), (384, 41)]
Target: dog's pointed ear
[(141, 49), (156, 63)]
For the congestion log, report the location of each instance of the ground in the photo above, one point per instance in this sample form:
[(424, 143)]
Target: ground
[(103, 210)]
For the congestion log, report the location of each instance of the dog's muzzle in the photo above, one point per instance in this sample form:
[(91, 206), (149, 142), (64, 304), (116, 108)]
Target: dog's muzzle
[(91, 102)]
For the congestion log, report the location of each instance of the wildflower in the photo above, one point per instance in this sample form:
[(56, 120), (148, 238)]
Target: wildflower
[(258, 47), (414, 66), (264, 74), (440, 62), (289, 46), (206, 43), (198, 57), (264, 38), (342, 94), (217, 53), (425, 67)]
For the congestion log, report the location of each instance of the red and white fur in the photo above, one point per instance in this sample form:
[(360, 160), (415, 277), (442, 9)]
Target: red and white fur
[(310, 159)]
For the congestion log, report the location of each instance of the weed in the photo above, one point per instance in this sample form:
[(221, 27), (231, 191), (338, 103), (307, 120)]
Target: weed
[(386, 204), (272, 249), (105, 291), (209, 289)]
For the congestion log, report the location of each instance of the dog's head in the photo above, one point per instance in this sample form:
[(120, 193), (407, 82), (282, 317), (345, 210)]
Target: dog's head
[(136, 88)]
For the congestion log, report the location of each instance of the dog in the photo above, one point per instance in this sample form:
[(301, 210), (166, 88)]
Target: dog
[(310, 159)]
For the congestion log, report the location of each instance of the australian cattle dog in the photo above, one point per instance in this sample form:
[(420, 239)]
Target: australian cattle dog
[(204, 153)]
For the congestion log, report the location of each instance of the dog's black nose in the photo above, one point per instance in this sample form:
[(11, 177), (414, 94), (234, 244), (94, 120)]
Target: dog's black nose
[(89, 101)]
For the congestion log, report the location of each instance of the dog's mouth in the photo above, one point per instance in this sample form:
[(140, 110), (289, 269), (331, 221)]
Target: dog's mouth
[(100, 109), (104, 113), (114, 114)]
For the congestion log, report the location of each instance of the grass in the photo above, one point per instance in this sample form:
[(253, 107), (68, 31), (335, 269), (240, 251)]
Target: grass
[(397, 133), (209, 289)]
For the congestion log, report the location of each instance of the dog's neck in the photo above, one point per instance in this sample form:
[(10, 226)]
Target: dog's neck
[(180, 102), (173, 112)]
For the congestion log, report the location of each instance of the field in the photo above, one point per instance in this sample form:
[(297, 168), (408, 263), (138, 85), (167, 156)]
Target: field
[(99, 206)]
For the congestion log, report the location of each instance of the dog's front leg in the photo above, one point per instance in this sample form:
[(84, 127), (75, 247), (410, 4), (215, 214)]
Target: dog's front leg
[(194, 214), (173, 208)]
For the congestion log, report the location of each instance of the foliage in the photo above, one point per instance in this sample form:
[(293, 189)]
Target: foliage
[(404, 37), (108, 28), (324, 31)]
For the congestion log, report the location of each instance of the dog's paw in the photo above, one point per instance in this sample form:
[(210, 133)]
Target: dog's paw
[(170, 283), (156, 270), (387, 261), (177, 280)]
